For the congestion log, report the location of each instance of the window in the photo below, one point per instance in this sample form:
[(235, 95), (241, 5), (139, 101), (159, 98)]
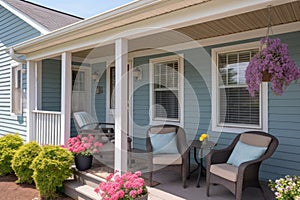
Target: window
[(166, 89), (233, 107), (16, 89)]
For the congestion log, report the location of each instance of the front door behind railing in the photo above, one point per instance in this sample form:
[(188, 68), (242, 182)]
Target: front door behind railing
[(47, 128)]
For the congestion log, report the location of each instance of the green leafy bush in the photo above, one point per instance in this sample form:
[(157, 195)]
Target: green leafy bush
[(51, 167), (22, 161), (9, 144)]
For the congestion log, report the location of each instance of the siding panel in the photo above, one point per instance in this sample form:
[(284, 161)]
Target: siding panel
[(13, 30)]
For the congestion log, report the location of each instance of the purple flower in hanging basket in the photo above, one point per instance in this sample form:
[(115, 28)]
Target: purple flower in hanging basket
[(275, 60)]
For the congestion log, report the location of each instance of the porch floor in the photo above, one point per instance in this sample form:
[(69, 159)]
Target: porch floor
[(169, 180)]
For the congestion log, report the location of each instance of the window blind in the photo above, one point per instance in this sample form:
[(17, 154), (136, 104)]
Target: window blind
[(166, 88), (236, 106)]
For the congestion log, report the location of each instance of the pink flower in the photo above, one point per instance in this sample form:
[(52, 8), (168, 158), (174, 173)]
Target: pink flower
[(83, 145), (123, 186)]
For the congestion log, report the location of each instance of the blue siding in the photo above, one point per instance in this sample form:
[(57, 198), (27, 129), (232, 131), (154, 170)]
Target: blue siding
[(51, 85), (100, 99), (284, 111), (13, 30)]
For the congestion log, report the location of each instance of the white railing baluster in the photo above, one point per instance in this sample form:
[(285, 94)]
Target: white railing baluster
[(47, 127)]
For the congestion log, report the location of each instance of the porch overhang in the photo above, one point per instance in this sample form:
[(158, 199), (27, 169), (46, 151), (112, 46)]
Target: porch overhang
[(197, 19)]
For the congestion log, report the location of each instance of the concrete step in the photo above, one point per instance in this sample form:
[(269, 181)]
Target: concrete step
[(88, 178), (79, 191)]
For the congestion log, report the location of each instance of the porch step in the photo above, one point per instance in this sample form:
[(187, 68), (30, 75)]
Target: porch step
[(79, 191), (82, 186), (87, 178)]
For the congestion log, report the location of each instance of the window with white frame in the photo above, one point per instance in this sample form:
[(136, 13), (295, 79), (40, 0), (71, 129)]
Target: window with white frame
[(16, 89), (233, 107), (166, 89)]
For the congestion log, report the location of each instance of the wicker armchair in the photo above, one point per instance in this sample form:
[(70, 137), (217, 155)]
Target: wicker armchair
[(103, 132), (236, 179), (180, 158)]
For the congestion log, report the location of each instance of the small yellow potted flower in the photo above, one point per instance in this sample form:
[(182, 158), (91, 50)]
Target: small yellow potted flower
[(203, 138)]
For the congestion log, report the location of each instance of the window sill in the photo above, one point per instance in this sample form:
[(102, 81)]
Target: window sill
[(226, 129)]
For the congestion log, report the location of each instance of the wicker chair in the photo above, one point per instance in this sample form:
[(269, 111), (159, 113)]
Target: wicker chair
[(104, 132), (236, 179), (180, 158)]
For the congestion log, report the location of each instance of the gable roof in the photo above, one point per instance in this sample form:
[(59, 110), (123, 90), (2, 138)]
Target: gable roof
[(48, 18)]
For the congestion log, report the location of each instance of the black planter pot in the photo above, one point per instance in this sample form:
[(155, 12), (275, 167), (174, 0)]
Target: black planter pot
[(83, 162)]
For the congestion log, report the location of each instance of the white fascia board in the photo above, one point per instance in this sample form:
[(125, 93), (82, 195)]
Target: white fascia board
[(25, 18), (200, 13)]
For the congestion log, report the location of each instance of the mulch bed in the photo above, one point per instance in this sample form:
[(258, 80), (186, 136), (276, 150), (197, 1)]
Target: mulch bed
[(9, 190)]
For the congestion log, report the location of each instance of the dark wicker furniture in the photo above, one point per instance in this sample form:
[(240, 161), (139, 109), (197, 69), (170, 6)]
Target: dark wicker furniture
[(180, 159), (236, 179)]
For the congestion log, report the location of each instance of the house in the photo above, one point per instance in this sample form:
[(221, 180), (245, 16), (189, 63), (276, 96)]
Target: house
[(177, 62), (21, 21)]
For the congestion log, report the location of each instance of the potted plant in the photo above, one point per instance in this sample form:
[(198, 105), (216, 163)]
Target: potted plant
[(83, 148), (128, 186), (273, 64), (287, 188)]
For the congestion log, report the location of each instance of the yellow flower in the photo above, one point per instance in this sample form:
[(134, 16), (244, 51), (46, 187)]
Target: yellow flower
[(203, 137)]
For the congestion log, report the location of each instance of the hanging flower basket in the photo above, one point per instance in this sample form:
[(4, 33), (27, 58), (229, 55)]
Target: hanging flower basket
[(272, 64)]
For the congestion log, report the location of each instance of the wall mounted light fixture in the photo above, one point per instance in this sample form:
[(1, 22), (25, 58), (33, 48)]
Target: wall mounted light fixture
[(95, 76), (137, 73)]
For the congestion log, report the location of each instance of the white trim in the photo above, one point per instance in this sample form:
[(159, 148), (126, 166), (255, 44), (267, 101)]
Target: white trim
[(30, 100), (25, 18), (66, 93), (110, 113), (180, 59), (233, 128), (121, 105)]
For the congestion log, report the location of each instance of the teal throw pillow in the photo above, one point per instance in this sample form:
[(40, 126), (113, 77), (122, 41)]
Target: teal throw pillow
[(244, 152), (164, 143)]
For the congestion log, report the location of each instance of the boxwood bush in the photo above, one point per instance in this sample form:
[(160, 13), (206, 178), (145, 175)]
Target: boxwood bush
[(22, 161), (51, 167), (9, 144)]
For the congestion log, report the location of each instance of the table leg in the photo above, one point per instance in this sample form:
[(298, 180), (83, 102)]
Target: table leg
[(199, 168), (189, 165)]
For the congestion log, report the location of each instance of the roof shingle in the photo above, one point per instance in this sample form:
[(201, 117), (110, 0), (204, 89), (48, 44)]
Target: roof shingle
[(47, 17)]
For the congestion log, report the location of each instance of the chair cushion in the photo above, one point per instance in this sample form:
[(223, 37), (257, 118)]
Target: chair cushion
[(255, 140), (243, 152), (167, 159), (225, 170), (164, 143)]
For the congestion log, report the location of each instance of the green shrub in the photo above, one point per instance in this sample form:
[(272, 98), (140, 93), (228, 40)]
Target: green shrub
[(51, 167), (22, 161), (9, 144)]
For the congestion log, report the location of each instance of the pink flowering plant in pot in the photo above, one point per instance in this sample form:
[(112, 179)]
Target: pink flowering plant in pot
[(128, 186), (275, 61), (84, 145)]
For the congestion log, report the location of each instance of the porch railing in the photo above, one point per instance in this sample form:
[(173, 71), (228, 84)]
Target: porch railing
[(47, 127)]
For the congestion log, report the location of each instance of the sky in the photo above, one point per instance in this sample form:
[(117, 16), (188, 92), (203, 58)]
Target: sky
[(81, 8)]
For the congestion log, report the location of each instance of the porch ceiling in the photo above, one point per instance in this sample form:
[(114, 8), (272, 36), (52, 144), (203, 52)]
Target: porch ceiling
[(281, 14)]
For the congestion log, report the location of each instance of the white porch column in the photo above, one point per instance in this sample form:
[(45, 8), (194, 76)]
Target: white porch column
[(121, 100), (31, 99), (66, 92)]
